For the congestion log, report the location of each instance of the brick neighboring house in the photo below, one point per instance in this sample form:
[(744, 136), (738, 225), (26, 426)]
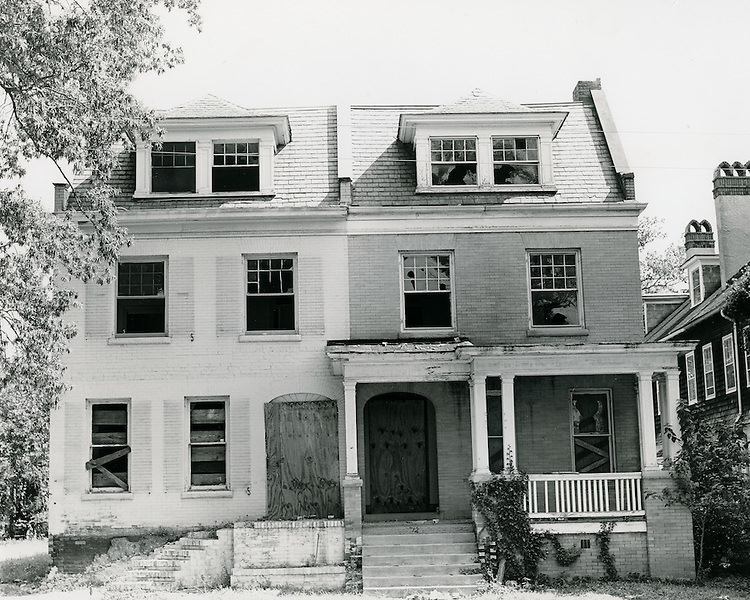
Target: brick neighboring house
[(715, 374), (355, 312)]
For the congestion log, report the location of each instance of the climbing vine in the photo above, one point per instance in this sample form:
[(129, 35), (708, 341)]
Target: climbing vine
[(604, 539), (500, 500), (564, 556)]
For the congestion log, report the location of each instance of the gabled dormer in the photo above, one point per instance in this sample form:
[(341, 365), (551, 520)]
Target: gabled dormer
[(482, 143), (211, 147)]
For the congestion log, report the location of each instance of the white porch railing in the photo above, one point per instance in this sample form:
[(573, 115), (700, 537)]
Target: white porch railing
[(593, 495)]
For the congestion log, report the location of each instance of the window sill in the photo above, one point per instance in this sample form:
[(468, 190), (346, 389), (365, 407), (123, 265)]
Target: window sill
[(269, 337), (106, 495), (195, 493), (556, 332), (493, 189), (124, 341), (437, 332), (177, 195)]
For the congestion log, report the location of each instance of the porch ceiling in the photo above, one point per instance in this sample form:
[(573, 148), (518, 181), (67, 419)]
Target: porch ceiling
[(458, 360)]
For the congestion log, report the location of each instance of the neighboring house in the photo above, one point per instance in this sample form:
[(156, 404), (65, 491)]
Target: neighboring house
[(358, 311), (715, 375)]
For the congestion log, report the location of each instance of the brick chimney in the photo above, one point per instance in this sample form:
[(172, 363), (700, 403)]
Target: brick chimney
[(732, 204), (582, 91), (701, 262), (61, 196)]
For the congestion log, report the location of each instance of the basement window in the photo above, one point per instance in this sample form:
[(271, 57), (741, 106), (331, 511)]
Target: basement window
[(109, 464), (207, 447)]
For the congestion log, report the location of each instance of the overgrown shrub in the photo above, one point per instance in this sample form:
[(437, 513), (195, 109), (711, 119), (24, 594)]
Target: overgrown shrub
[(711, 473)]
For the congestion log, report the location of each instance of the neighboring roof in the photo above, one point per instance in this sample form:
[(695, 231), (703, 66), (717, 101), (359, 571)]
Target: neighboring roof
[(207, 107), (479, 101)]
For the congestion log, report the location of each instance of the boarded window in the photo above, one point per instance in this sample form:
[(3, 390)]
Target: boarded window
[(141, 298), (270, 294), (553, 279), (173, 167), (515, 160), (453, 161), (236, 167), (427, 290), (208, 443), (592, 443), (109, 446), (495, 424)]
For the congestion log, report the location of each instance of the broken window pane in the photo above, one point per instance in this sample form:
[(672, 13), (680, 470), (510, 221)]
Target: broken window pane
[(454, 161), (515, 160), (553, 279), (270, 294), (427, 290), (591, 432)]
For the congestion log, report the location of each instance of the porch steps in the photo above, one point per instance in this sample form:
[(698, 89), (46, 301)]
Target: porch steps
[(400, 558), (184, 563)]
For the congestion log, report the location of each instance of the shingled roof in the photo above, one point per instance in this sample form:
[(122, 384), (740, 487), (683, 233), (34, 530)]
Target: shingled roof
[(479, 101), (207, 107)]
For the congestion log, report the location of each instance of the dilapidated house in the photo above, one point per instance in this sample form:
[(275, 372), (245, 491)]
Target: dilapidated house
[(347, 315)]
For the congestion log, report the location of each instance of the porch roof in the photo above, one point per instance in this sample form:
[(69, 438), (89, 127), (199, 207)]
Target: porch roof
[(458, 359)]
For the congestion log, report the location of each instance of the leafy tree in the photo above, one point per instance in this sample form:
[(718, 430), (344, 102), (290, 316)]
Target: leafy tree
[(661, 271), (65, 70), (711, 474)]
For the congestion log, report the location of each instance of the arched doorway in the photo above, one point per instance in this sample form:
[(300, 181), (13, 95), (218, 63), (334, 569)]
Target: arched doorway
[(401, 455)]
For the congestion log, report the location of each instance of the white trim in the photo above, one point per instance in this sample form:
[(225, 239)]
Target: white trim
[(287, 334), (693, 300), (572, 527), (430, 331), (143, 336), (707, 354), (729, 361), (575, 329), (112, 491), (692, 398)]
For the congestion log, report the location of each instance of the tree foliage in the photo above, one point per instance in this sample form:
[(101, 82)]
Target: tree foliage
[(661, 270), (737, 303), (711, 474), (65, 70)]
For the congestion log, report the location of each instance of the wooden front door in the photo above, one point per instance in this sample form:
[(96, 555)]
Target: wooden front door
[(399, 440), (302, 453)]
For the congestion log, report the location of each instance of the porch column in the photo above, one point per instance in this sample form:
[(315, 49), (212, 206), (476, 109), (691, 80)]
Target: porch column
[(669, 412), (509, 420), (646, 421), (479, 445), (350, 414)]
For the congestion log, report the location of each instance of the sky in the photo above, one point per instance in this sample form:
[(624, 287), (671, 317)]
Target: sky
[(675, 73)]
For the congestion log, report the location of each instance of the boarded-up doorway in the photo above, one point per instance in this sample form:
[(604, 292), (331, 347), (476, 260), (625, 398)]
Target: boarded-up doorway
[(400, 454), (302, 451)]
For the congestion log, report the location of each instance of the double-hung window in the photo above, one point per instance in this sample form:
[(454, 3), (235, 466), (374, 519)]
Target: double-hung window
[(692, 385), (730, 372), (454, 161), (554, 282), (427, 285), (207, 447), (236, 167), (708, 371), (515, 160), (173, 167), (495, 424), (141, 297), (109, 464), (270, 304), (696, 287)]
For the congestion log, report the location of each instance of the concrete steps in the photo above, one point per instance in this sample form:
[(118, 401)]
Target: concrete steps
[(400, 558)]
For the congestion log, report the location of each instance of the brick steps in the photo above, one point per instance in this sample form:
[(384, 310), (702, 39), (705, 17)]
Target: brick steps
[(404, 558)]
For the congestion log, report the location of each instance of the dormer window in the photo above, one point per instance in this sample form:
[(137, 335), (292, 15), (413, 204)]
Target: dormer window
[(236, 167), (454, 161), (173, 167), (515, 160), (696, 287)]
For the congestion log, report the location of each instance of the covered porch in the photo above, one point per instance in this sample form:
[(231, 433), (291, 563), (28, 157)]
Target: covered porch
[(579, 419)]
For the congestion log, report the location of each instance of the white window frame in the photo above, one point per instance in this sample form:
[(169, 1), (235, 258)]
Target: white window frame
[(402, 292), (690, 378), (295, 294), (727, 348), (189, 400), (454, 139), (90, 403), (254, 140), (708, 371), (695, 300), (144, 259), (536, 163), (579, 290), (747, 365)]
